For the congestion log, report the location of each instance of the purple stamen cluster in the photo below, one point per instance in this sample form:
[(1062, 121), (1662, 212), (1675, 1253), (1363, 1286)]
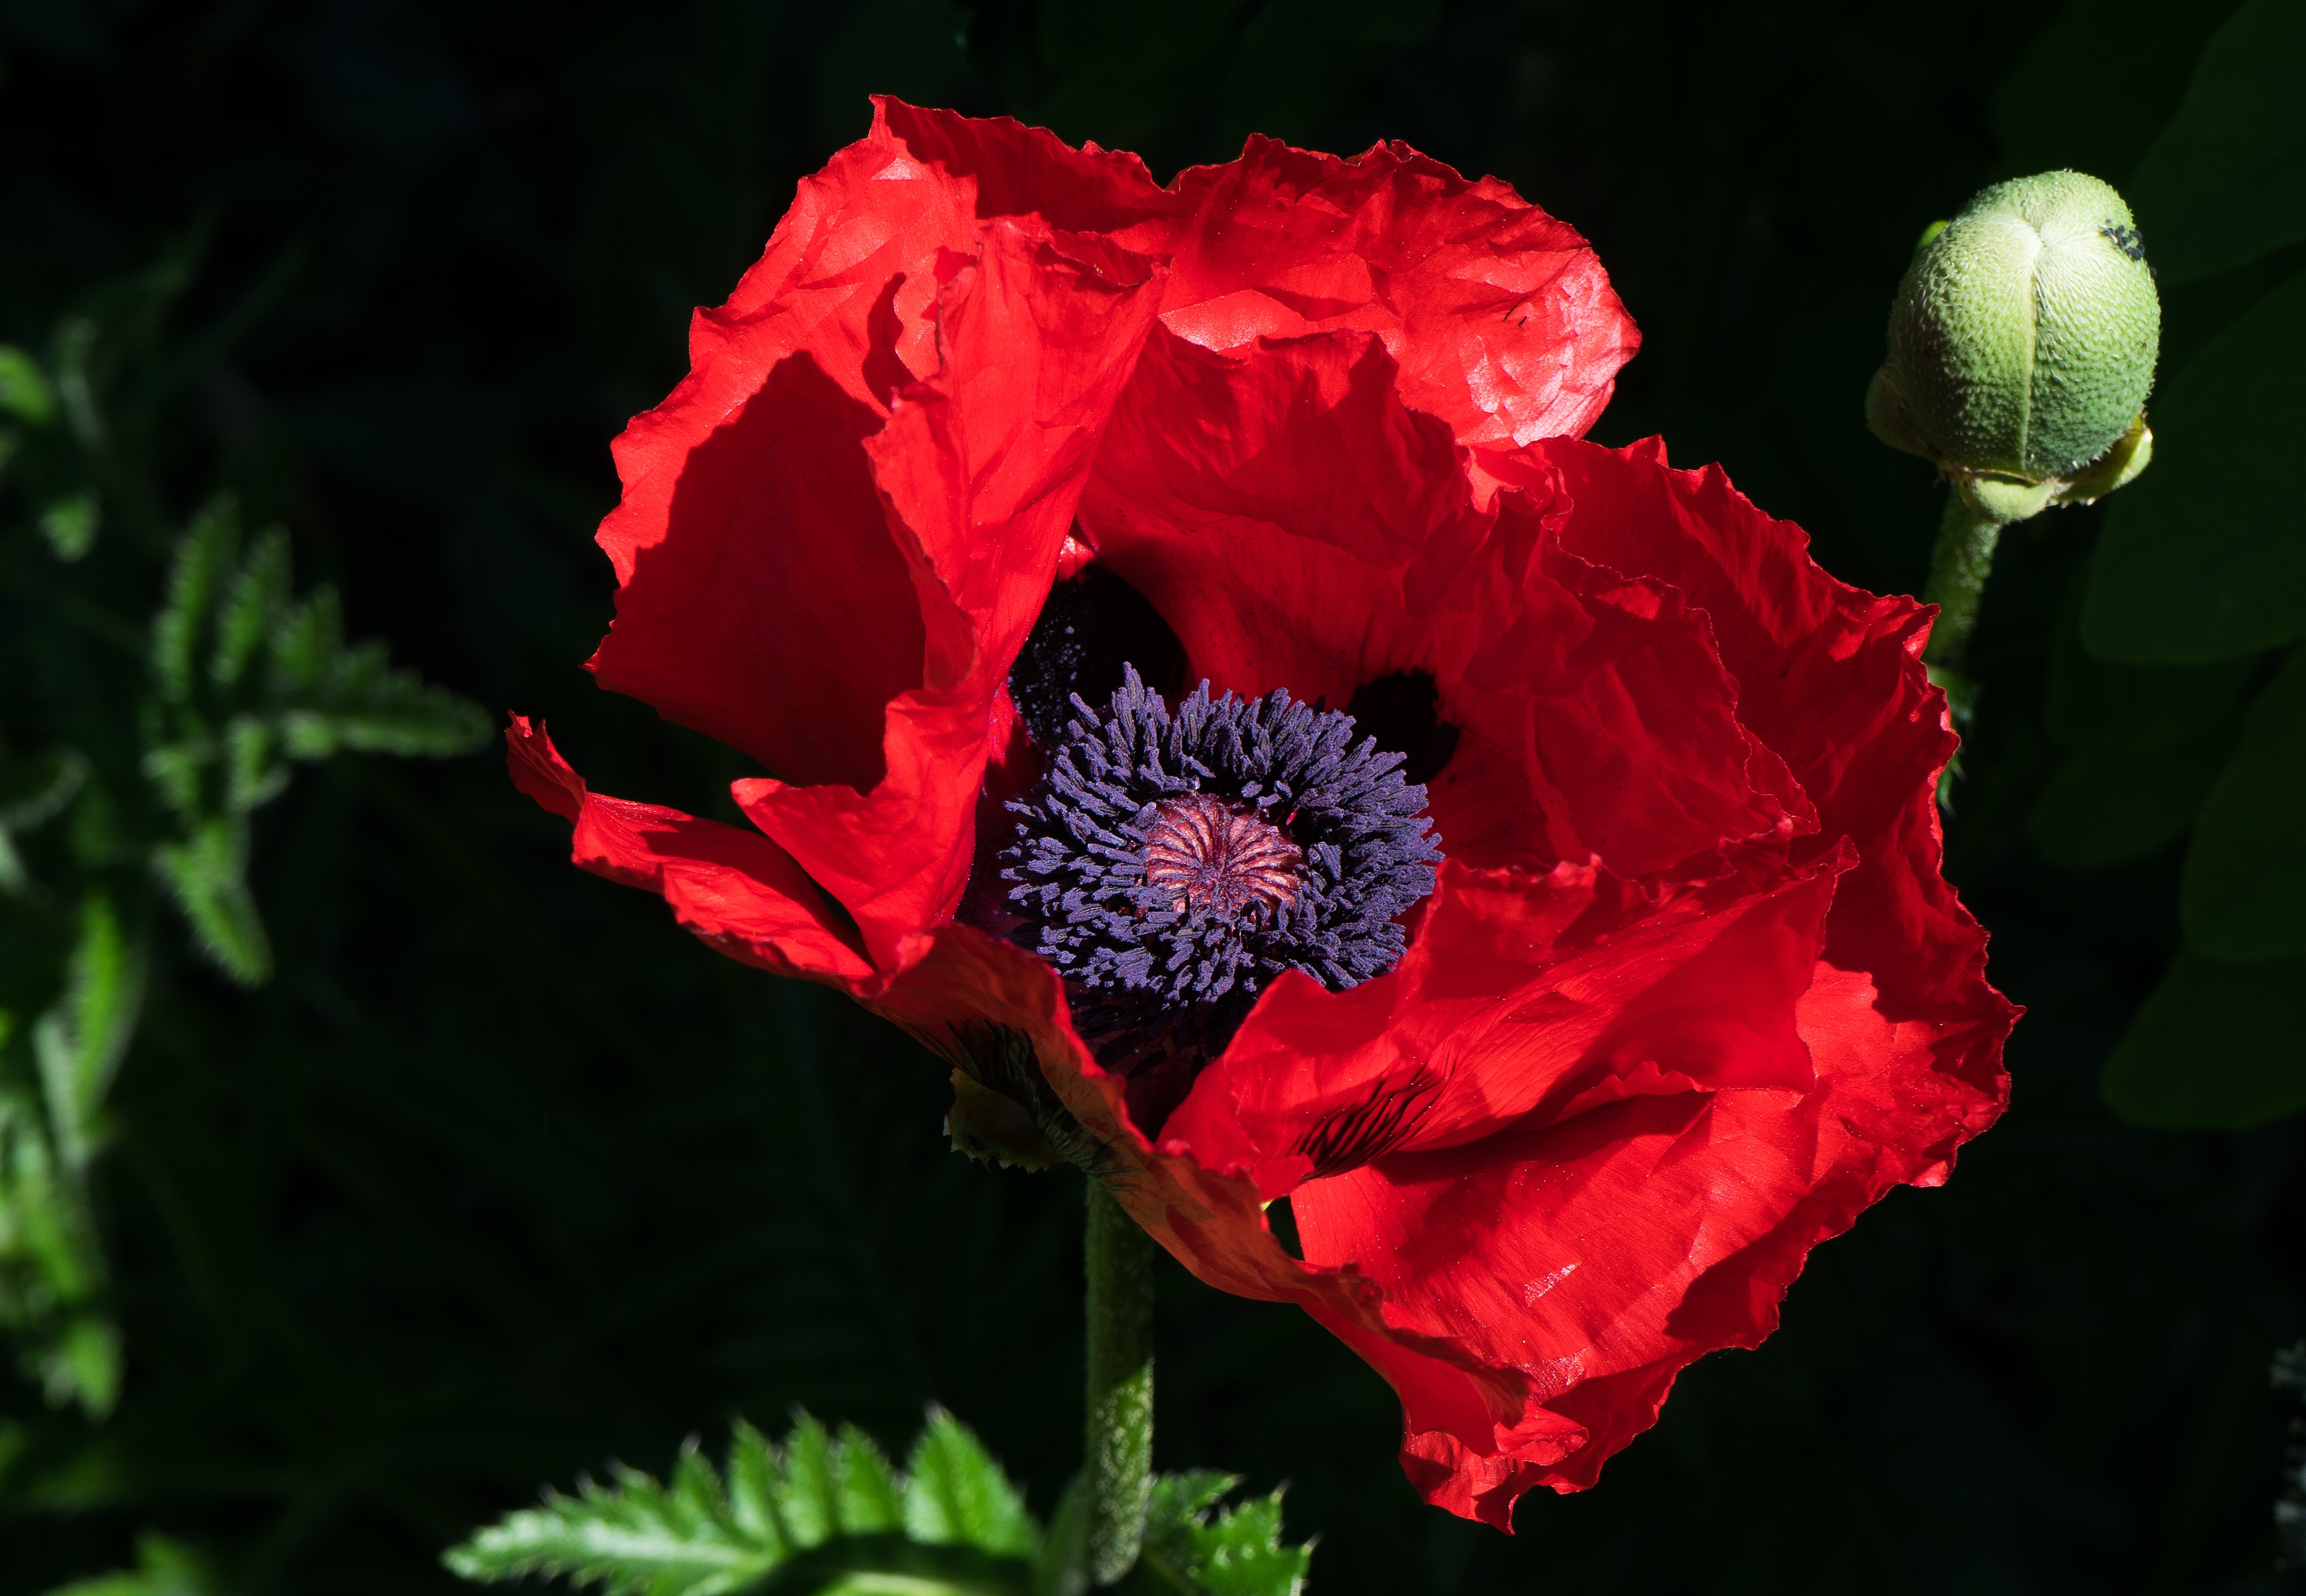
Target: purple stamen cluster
[(1171, 864)]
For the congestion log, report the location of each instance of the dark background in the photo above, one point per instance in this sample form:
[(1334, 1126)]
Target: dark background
[(503, 1175)]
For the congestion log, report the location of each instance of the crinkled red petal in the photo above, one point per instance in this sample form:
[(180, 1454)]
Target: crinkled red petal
[(734, 888), (1656, 1027), (830, 565), (978, 469), (1501, 317), (1299, 528)]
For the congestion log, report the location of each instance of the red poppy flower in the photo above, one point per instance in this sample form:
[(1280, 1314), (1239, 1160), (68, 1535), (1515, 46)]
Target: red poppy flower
[(1567, 1016)]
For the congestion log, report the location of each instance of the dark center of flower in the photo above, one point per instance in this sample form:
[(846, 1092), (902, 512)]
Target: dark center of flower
[(1172, 865), (1202, 854)]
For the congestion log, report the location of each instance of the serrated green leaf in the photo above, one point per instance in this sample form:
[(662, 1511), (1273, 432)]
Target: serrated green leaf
[(956, 1494), (253, 776), (754, 1485), (630, 1538), (2226, 182), (1238, 1553), (2203, 558), (2243, 894), (207, 875), (805, 1502), (255, 601), (81, 1041), (868, 1498), (204, 555), (306, 639), (24, 390), (52, 1265), (2216, 1047), (787, 1518)]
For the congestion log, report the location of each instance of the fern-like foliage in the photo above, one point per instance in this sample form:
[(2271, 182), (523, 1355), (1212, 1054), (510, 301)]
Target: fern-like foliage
[(248, 678), (133, 749), (1236, 1551), (827, 1513), (829, 1507)]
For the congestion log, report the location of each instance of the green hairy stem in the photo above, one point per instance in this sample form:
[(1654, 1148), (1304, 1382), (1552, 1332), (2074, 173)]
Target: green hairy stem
[(1119, 1471), (1958, 568)]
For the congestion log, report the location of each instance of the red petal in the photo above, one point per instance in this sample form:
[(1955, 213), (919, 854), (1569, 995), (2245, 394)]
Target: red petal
[(1299, 528), (747, 495), (737, 890), (1017, 170), (1603, 1254), (829, 564), (1523, 1000), (1502, 318), (979, 469), (1830, 677)]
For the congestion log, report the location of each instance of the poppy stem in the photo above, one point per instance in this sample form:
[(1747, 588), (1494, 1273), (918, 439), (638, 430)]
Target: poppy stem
[(1958, 568), (1119, 1469)]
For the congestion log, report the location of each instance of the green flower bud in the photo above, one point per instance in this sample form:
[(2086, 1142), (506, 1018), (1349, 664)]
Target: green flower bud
[(2022, 347)]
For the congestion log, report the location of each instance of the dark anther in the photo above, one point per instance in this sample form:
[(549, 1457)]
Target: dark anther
[(1402, 712), (1172, 865), (1371, 1128), (1088, 629)]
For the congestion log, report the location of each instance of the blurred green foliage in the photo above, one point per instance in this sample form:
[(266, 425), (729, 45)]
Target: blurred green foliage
[(501, 1175), (143, 749)]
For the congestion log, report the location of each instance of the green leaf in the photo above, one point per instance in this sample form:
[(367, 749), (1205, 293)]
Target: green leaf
[(70, 525), (203, 556), (254, 601), (633, 1537), (1060, 1567), (1238, 1553), (52, 1265), (33, 791), (2243, 894), (81, 1041), (823, 1516), (2215, 1048), (753, 1486), (334, 697), (253, 778), (2203, 557), (2225, 182), (163, 1568), (2096, 85), (24, 390), (2109, 806), (805, 1503), (868, 1497), (956, 1494), (207, 875)]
